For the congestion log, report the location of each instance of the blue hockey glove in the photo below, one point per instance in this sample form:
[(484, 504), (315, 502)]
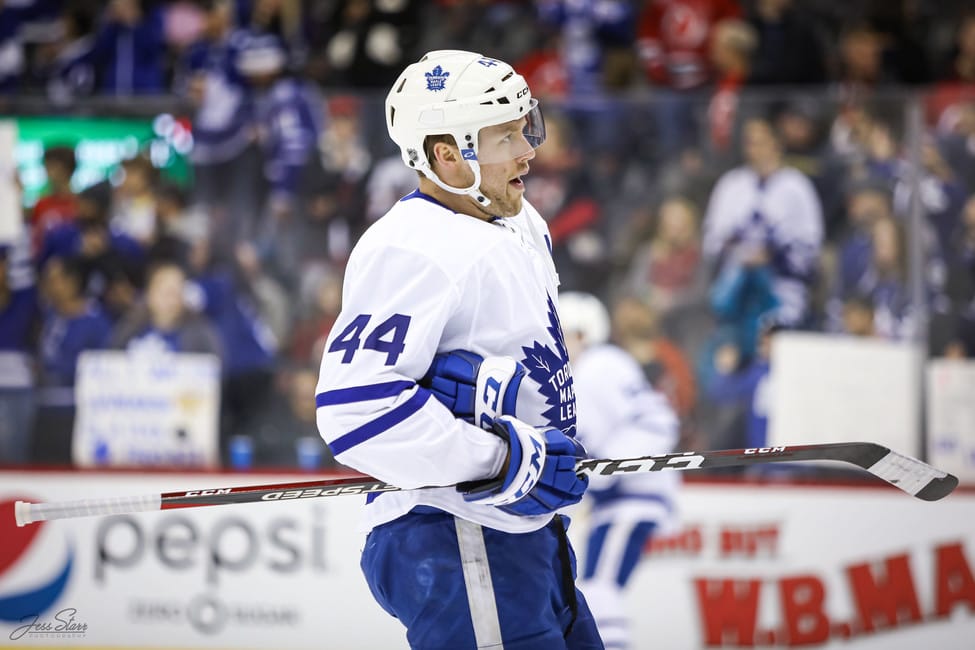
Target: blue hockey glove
[(474, 388), (540, 477)]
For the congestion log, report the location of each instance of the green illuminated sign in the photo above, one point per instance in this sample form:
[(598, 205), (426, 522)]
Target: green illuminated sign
[(100, 144)]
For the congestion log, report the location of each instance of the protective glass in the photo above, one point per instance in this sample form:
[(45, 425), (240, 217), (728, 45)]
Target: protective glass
[(501, 143)]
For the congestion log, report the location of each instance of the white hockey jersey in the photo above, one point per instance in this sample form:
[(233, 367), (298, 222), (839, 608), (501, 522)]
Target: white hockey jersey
[(781, 212), (622, 416), (424, 280)]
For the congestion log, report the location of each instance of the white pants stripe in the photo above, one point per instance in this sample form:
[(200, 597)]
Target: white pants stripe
[(477, 580)]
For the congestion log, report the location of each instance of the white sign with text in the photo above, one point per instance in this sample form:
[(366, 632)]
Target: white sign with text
[(144, 409)]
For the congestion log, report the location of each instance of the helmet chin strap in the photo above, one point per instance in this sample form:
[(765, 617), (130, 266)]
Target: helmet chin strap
[(473, 191)]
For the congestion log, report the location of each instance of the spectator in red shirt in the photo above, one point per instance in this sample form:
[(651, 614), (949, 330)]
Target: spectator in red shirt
[(60, 205), (956, 85), (673, 39), (544, 69)]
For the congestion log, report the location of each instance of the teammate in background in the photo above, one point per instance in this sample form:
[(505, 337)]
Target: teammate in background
[(620, 416), (451, 295)]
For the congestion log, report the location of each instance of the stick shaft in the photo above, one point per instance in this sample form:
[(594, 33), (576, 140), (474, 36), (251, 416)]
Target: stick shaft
[(909, 474)]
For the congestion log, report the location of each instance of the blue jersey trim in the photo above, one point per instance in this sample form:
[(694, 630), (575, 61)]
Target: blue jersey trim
[(362, 393), (417, 194), (382, 423)]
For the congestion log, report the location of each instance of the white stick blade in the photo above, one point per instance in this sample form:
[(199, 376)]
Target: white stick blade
[(915, 477)]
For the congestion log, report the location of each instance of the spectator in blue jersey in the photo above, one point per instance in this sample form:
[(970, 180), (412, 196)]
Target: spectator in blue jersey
[(591, 31), (289, 115), (596, 47), (884, 279), (226, 159), (250, 313), (762, 234), (72, 324), (873, 263), (162, 322), (129, 49), (19, 322), (868, 202), (112, 262)]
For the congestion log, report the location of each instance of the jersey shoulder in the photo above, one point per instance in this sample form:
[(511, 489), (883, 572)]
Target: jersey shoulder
[(423, 227)]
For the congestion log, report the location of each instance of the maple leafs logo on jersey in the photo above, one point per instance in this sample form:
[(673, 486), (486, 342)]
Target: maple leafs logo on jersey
[(436, 79), (550, 369)]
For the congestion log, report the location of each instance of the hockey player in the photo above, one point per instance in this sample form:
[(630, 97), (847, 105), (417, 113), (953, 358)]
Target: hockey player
[(620, 416), (446, 370)]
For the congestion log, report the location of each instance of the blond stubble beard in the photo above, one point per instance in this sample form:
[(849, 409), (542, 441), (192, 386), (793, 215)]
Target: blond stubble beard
[(502, 207)]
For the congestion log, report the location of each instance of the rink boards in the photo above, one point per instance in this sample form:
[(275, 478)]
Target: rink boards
[(753, 566)]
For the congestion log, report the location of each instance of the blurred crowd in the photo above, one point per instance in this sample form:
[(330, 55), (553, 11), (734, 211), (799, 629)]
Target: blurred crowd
[(717, 171)]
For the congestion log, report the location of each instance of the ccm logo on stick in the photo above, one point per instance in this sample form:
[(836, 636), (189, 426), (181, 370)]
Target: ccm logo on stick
[(764, 450), (207, 493)]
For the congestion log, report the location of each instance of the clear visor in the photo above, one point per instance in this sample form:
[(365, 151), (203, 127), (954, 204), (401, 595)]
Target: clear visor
[(504, 142)]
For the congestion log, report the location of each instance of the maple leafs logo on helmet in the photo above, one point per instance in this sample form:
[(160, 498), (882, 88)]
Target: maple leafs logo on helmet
[(436, 79)]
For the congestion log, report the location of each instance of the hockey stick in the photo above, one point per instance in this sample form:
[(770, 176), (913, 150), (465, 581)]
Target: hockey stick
[(909, 474)]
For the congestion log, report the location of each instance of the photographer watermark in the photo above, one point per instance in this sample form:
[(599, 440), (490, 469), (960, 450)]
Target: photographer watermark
[(64, 624)]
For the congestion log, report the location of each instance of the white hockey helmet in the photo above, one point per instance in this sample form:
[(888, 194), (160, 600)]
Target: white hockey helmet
[(585, 314), (457, 93)]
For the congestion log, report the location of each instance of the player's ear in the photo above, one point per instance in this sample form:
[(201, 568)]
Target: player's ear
[(445, 154)]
